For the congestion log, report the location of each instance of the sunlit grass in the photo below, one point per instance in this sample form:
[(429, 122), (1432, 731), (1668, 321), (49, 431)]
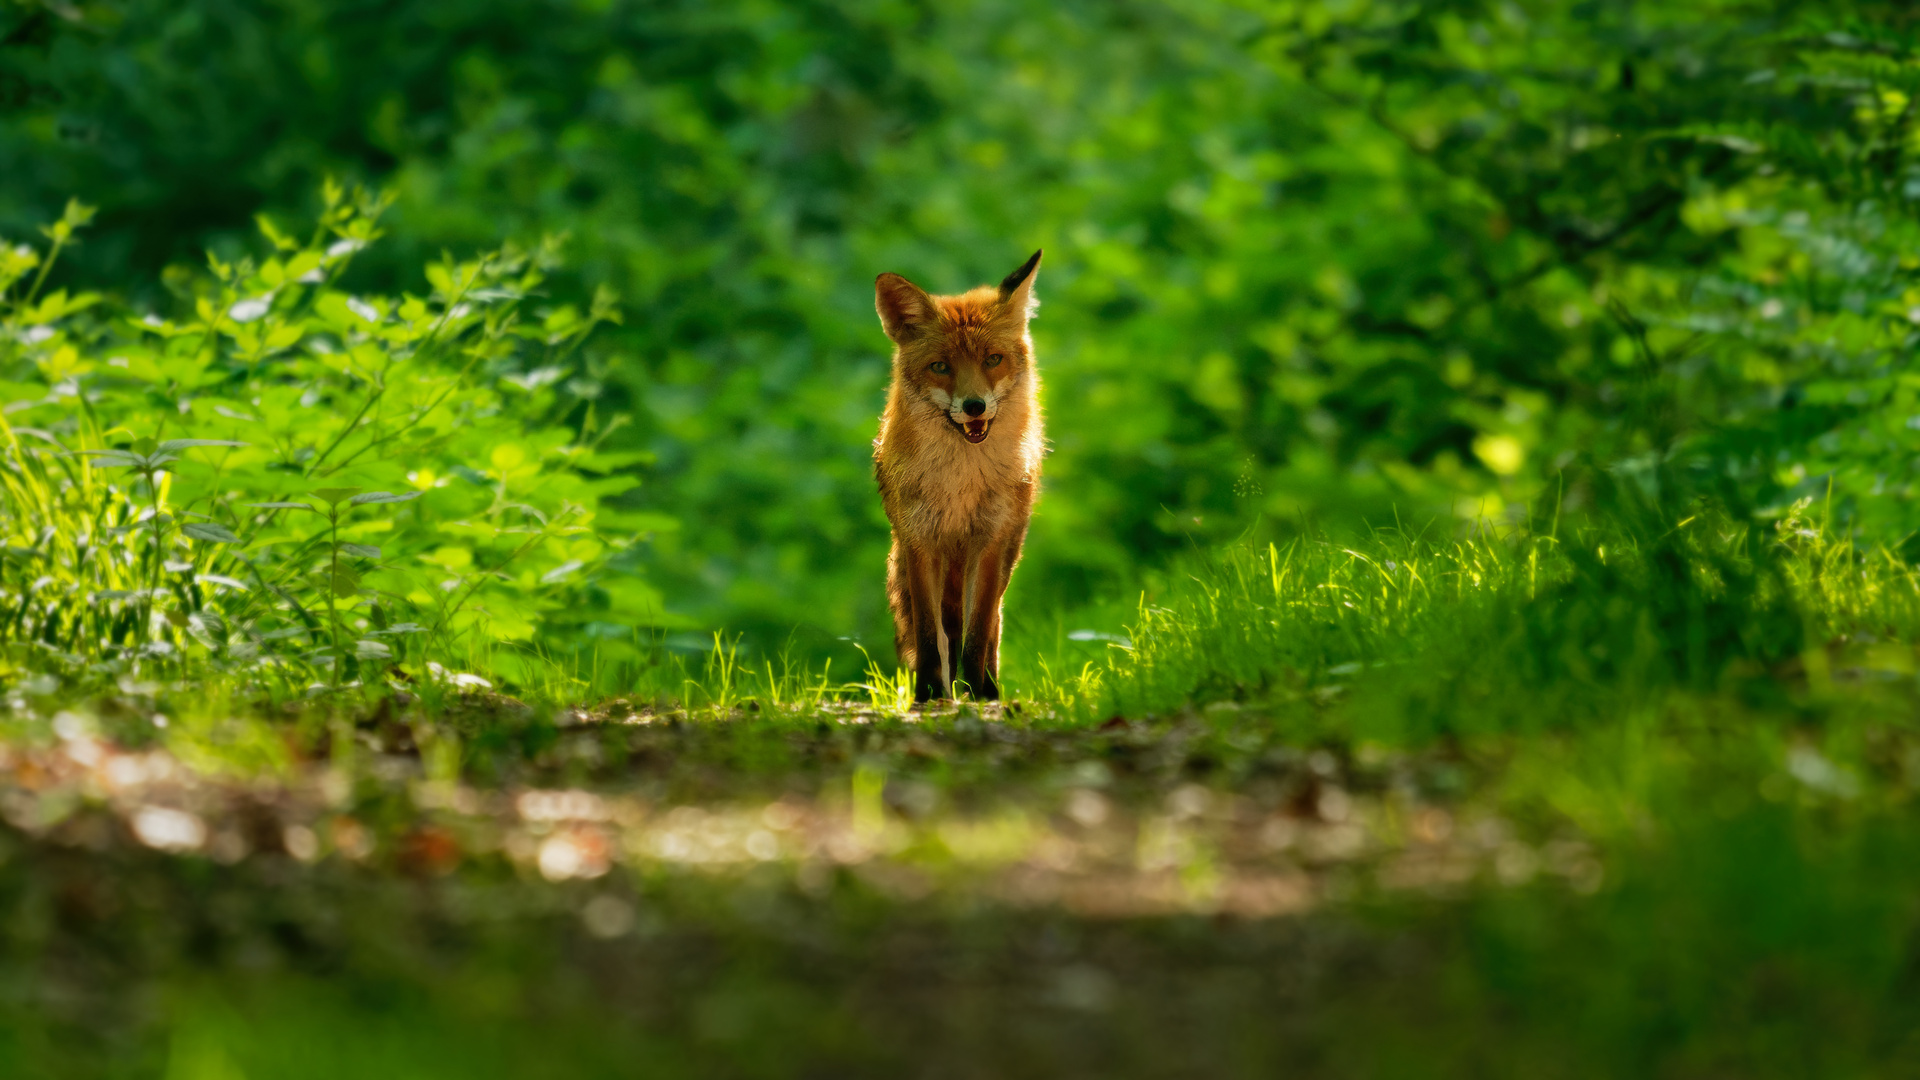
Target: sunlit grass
[(1577, 720), (1569, 730)]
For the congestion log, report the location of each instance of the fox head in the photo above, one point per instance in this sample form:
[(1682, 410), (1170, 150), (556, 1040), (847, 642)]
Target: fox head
[(966, 356)]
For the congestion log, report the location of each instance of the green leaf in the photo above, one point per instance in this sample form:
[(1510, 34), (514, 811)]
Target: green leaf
[(172, 445), (78, 214), (363, 551), (305, 267), (346, 582), (336, 496), (283, 506), (278, 239), (559, 573), (114, 459), (58, 305), (383, 497), (210, 532)]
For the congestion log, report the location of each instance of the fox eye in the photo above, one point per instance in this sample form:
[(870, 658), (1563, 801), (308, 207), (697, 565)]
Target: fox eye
[(940, 367), (994, 360)]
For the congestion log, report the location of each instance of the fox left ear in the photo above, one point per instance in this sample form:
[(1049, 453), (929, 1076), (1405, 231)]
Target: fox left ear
[(905, 308), (1016, 289)]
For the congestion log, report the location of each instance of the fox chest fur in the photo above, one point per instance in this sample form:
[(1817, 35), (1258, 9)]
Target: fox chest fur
[(938, 489), (958, 464)]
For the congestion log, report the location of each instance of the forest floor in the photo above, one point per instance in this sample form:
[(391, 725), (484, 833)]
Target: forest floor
[(1721, 884)]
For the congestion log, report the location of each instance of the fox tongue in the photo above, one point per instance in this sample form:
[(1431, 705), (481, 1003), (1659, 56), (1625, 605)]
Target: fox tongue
[(976, 430)]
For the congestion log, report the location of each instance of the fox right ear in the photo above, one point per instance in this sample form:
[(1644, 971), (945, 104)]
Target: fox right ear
[(905, 309), (1016, 291)]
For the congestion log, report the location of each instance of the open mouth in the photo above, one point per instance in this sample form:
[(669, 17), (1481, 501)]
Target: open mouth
[(974, 430)]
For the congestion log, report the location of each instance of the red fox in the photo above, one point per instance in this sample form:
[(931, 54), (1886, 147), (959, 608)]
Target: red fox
[(958, 460)]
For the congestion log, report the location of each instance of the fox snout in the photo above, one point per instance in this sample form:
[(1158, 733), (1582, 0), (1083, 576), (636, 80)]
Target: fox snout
[(973, 415)]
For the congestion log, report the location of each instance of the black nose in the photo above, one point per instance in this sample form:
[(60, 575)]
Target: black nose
[(974, 406)]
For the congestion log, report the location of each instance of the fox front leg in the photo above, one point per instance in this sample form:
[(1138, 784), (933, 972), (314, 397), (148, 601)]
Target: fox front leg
[(924, 584), (952, 576), (980, 655)]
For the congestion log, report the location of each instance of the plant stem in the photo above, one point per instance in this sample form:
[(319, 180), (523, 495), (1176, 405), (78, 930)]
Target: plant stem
[(53, 255), (333, 581), (375, 395), (153, 573), (15, 307), (210, 344)]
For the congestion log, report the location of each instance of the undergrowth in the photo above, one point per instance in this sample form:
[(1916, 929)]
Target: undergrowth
[(1501, 632), (292, 490), (288, 482)]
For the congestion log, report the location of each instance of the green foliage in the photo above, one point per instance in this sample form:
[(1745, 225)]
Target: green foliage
[(163, 478), (1489, 634), (1346, 262), (1321, 259), (1606, 308)]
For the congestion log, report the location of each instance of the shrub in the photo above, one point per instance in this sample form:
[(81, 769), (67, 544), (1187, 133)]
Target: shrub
[(287, 477)]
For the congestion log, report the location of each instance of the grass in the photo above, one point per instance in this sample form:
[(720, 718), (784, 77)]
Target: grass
[(1624, 796)]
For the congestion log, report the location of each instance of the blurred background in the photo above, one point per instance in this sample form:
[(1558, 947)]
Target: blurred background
[(1327, 264)]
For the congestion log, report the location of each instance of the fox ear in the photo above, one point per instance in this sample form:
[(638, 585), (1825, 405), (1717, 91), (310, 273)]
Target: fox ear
[(1016, 290), (905, 309)]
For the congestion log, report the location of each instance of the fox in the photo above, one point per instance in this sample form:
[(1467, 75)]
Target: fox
[(957, 459)]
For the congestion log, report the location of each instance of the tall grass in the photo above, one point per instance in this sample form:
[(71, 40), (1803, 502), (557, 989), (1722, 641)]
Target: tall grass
[(1412, 634), (1523, 630), (1409, 636)]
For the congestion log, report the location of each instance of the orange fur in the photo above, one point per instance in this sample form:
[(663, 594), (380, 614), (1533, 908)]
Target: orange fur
[(959, 498)]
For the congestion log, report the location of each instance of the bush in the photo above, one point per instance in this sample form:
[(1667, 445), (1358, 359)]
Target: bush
[(289, 478)]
